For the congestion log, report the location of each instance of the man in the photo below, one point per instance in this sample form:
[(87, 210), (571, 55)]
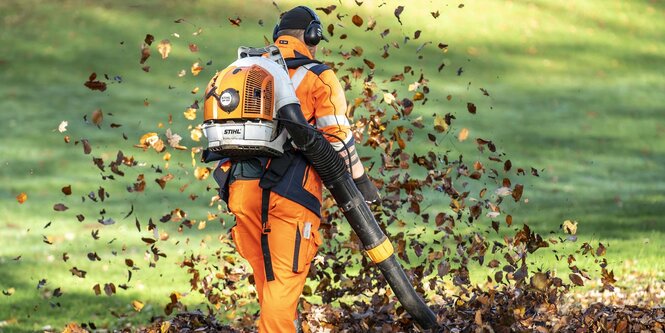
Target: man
[(277, 230)]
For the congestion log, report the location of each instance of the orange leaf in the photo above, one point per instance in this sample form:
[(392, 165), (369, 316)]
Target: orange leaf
[(463, 134), (22, 197)]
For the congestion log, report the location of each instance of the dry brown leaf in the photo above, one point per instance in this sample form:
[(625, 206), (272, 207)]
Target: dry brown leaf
[(97, 117), (357, 20)]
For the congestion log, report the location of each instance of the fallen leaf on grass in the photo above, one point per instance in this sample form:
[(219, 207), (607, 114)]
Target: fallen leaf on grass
[(137, 305)]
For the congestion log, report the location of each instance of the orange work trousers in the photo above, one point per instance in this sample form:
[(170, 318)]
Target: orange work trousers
[(293, 240)]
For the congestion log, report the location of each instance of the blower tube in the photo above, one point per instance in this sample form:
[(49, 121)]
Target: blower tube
[(333, 172)]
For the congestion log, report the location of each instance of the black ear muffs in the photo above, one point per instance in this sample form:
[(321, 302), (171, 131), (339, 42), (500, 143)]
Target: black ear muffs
[(313, 32)]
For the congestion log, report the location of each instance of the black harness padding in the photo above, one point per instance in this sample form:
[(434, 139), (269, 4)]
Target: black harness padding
[(265, 248), (293, 63)]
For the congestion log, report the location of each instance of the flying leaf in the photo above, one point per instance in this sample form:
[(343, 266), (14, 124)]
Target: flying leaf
[(164, 48), (463, 134), (576, 279), (196, 69), (416, 34), (503, 191), (435, 14), (97, 117), (93, 84), (107, 221), (163, 180), (369, 63), (371, 23), (60, 207), (190, 113), (86, 146), (235, 22), (440, 124), (67, 190), (193, 47), (471, 108), (77, 272), (398, 12), (22, 197), (517, 192), (196, 134), (201, 173), (145, 53), (357, 20), (149, 39), (327, 10), (63, 126), (109, 289), (569, 227), (388, 98)]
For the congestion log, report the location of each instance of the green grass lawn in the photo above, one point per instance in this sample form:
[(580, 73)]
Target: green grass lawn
[(575, 91)]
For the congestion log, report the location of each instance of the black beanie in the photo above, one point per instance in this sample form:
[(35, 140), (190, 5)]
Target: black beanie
[(296, 18)]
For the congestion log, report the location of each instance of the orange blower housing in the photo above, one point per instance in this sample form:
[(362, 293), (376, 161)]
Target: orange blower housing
[(241, 103)]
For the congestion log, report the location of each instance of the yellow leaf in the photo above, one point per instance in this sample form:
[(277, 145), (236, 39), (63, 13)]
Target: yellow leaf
[(440, 124), (182, 73), (165, 327), (388, 98), (195, 90), (167, 156), (414, 86), (190, 113), (569, 227), (22, 197), (202, 225), (164, 48), (463, 134), (137, 305), (418, 96), (196, 134), (196, 69), (201, 173), (148, 137)]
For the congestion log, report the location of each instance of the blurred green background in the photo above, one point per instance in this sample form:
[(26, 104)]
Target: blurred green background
[(576, 90)]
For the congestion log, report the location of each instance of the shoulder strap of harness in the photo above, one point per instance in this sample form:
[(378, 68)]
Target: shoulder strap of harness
[(293, 63)]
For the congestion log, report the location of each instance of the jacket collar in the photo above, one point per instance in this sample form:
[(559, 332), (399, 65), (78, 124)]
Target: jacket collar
[(292, 47)]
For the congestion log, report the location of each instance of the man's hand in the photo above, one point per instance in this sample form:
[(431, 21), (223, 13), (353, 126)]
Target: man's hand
[(368, 189)]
